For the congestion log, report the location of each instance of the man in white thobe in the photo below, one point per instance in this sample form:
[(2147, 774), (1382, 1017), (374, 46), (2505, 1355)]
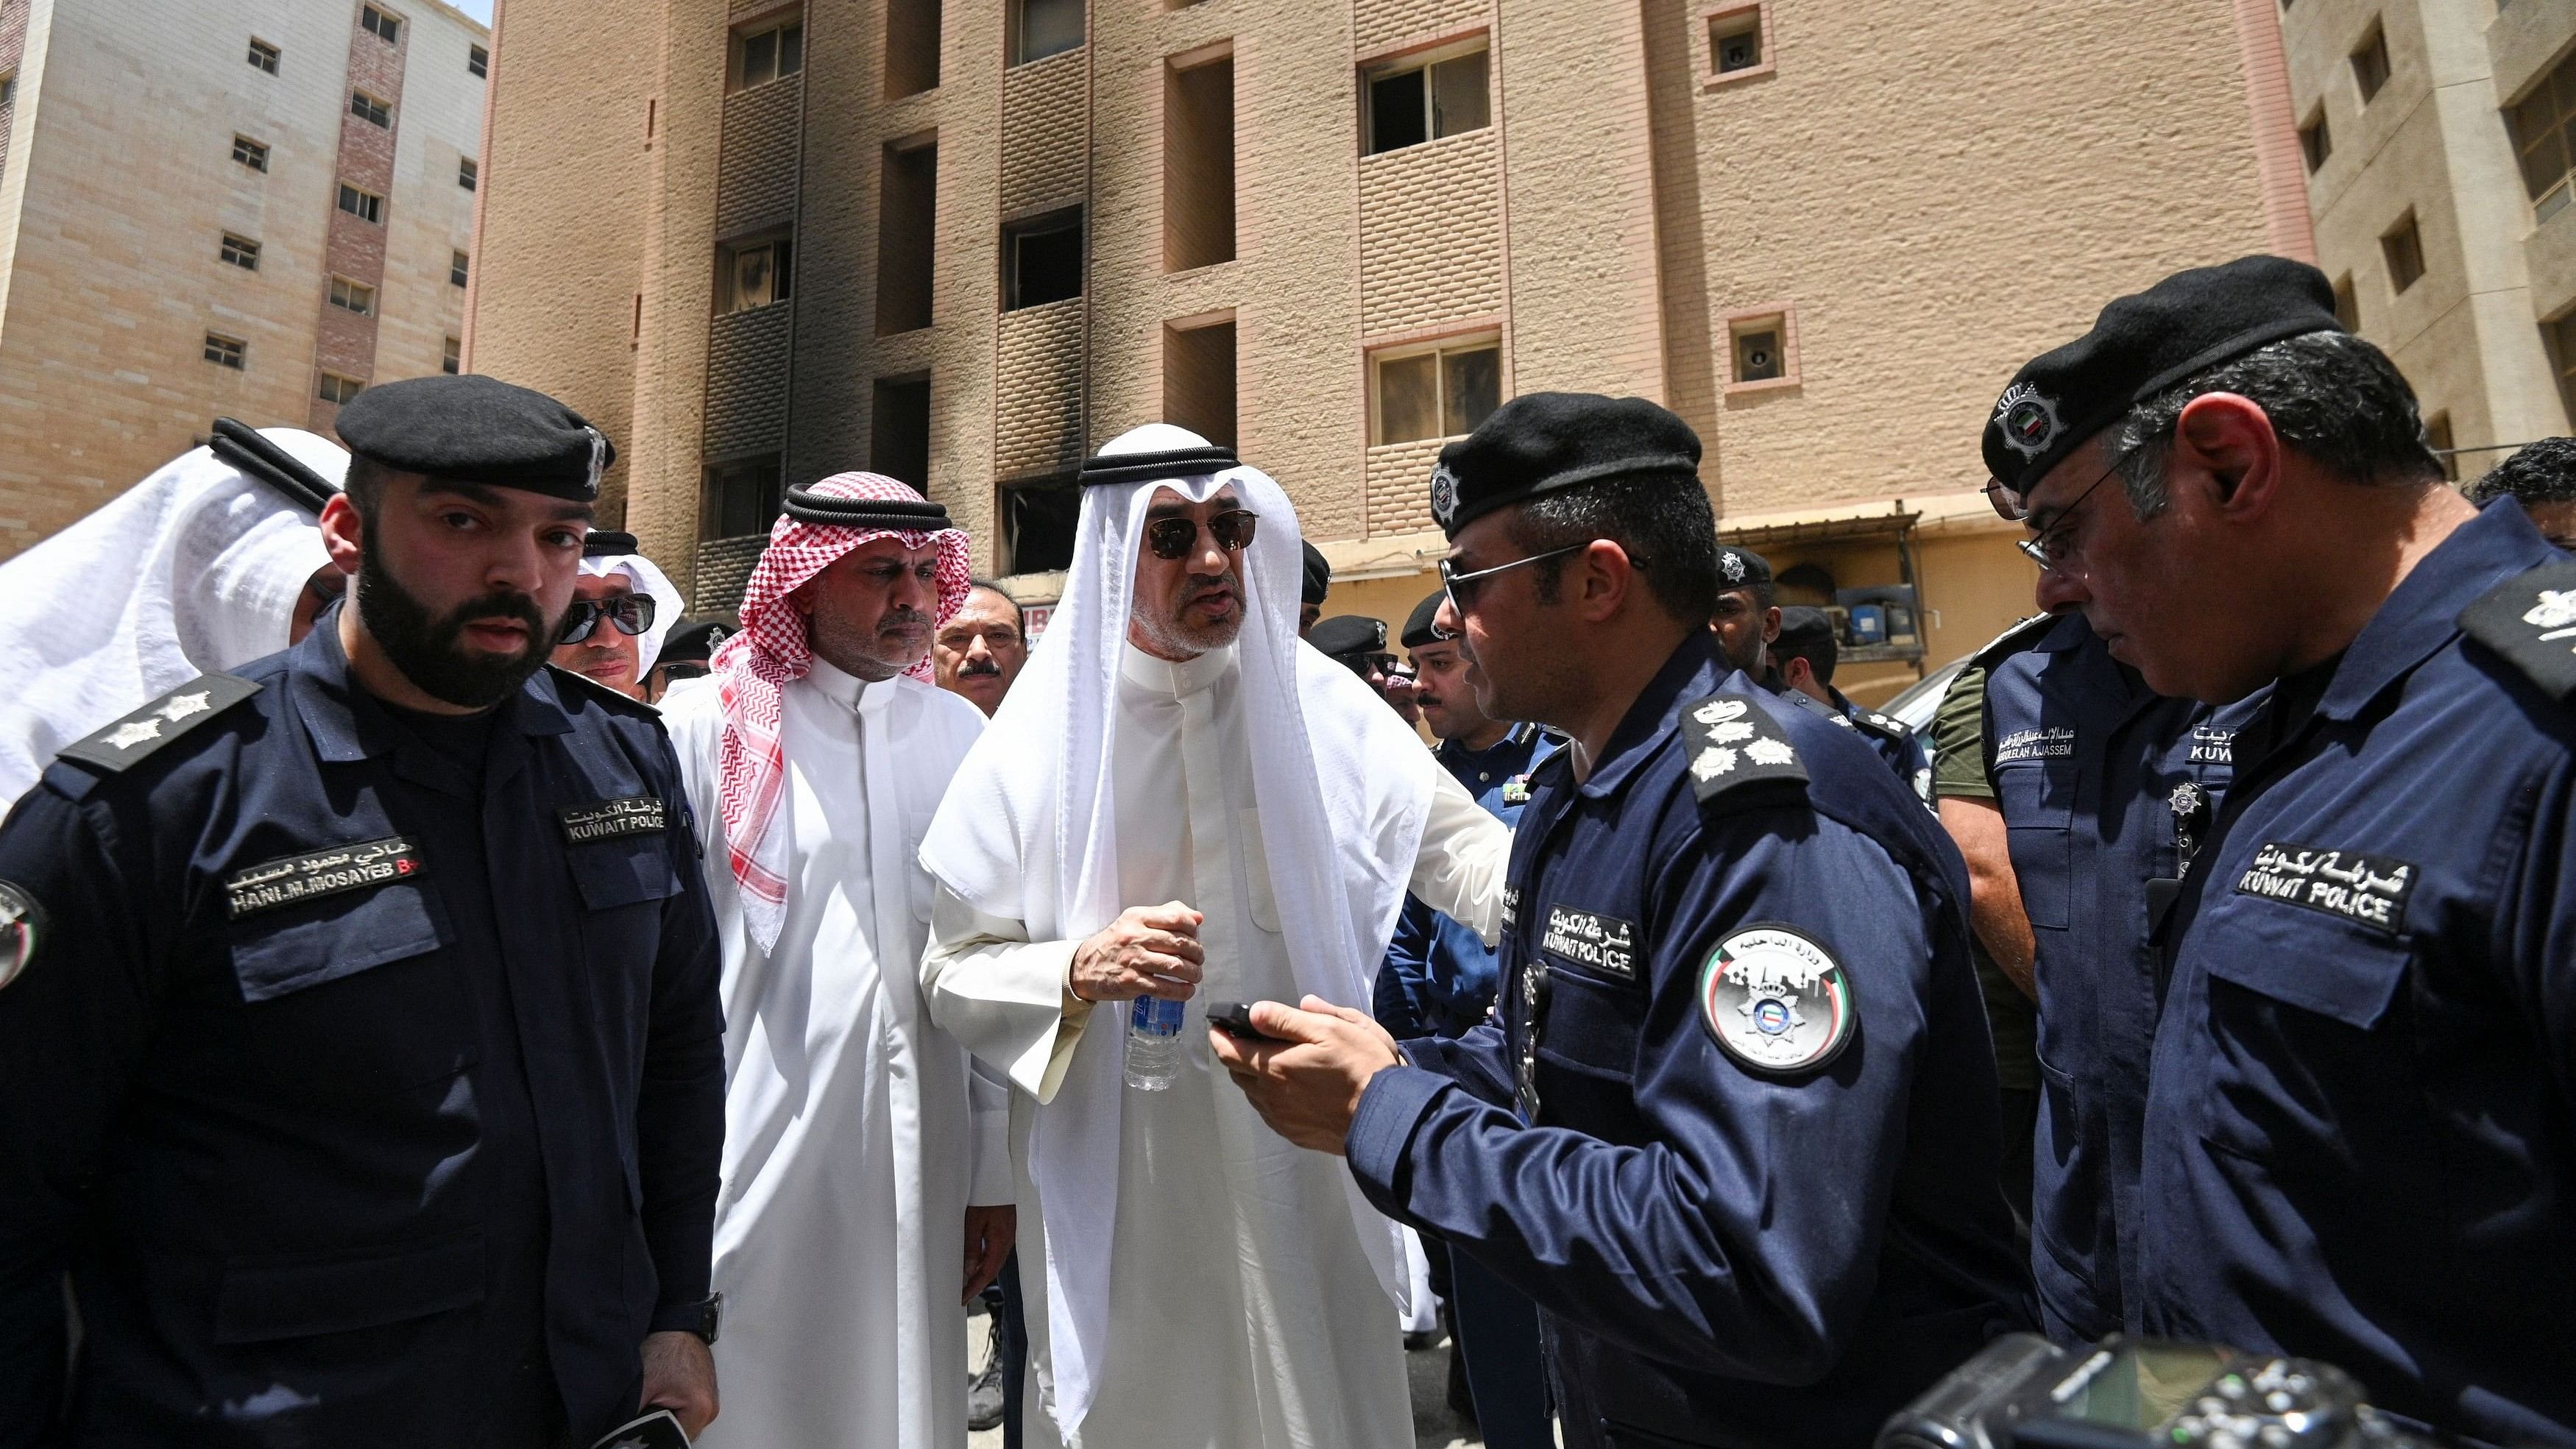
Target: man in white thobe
[(858, 1137), (1180, 800)]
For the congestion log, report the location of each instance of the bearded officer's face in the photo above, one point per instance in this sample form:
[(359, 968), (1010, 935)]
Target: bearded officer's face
[(1188, 605), (873, 609), (464, 586)]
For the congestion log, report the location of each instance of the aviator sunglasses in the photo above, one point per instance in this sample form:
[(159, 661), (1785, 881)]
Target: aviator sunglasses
[(632, 614), (1172, 538)]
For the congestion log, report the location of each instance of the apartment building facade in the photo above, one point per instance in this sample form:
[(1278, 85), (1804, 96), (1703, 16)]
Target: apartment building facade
[(2436, 135), (220, 209), (966, 241)]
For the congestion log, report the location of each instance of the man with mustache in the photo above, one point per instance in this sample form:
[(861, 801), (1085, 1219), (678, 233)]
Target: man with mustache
[(862, 1151), (362, 1065), (624, 608), (1178, 804), (982, 646)]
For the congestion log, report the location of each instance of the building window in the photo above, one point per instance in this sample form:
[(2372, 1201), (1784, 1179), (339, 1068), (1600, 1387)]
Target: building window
[(452, 357), (776, 48), (338, 389), (457, 262), (224, 351), (351, 296), (2347, 306), (912, 47), (8, 88), (899, 430), (2403, 246), (2544, 136), (382, 26), (465, 172), (907, 227), (2437, 436), (478, 61), (1761, 349), (2370, 62), (1199, 378), (1198, 165), (1425, 102), (753, 274), (1044, 260), (364, 205), (263, 55), (2315, 142), (370, 110), (1438, 392), (250, 153), (739, 500), (1040, 28), (241, 251), (1739, 42), (2561, 336), (1038, 519)]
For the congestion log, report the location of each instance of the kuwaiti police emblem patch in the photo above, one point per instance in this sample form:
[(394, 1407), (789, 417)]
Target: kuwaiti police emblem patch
[(22, 929), (2028, 419), (1776, 1000), (1444, 494)]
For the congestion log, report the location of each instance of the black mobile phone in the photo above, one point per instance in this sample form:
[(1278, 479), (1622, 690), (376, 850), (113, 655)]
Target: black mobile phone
[(1234, 1018)]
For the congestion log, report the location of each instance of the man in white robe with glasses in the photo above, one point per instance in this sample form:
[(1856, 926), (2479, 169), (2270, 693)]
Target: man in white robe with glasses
[(1180, 801)]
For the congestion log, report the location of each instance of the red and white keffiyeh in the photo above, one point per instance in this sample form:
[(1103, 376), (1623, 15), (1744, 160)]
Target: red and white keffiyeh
[(755, 666)]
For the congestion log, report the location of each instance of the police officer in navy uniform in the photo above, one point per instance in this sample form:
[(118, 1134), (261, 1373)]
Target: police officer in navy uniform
[(2105, 789), (1735, 1131), (2359, 1137), (360, 1053), (1803, 659)]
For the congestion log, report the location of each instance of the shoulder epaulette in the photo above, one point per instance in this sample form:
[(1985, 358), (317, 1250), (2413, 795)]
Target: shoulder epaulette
[(2530, 620), (1871, 722), (2012, 641), (1730, 743), (1800, 699), (601, 692), (136, 736)]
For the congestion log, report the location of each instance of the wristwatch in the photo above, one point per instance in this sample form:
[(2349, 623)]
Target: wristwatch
[(699, 1318)]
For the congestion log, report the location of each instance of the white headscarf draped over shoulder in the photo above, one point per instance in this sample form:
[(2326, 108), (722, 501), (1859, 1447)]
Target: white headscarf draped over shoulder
[(1029, 832), (195, 569)]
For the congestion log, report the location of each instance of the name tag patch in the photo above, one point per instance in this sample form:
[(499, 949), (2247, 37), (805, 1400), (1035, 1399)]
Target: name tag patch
[(1511, 906), (2211, 746), (2053, 742), (2368, 890), (290, 879), (1603, 943), (611, 819)]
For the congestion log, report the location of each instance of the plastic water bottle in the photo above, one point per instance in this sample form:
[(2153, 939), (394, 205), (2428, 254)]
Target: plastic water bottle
[(1154, 1043)]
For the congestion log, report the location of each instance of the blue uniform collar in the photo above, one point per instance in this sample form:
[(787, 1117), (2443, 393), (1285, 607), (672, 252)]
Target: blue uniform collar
[(345, 727), (2422, 614), (1693, 671)]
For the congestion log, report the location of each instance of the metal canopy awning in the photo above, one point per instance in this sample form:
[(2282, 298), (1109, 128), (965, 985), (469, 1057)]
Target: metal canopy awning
[(1867, 528)]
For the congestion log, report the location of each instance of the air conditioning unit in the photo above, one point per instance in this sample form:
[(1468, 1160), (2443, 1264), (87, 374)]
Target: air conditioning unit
[(1738, 52)]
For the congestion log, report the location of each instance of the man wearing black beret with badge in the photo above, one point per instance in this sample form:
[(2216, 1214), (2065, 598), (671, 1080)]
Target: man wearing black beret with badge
[(1734, 1129), (1358, 643), (360, 1052), (2357, 1139)]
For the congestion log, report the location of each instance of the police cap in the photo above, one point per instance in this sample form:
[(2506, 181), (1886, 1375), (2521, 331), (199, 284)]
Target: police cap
[(1804, 632), (1349, 636), (1319, 575), (1417, 625), (1739, 567), (2141, 345), (694, 641), (1542, 441), (478, 430)]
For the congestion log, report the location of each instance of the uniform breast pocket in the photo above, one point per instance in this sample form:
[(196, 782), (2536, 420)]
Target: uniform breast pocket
[(2037, 798), (1258, 899), (356, 1001), (2312, 1071), (1587, 1054), (623, 884)]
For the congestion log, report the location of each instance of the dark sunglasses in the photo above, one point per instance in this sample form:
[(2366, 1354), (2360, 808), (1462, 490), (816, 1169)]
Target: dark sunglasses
[(683, 669), (1364, 665), (1462, 587), (1173, 538), (632, 614)]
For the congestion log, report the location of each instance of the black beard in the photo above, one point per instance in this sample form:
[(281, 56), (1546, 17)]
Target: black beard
[(425, 649)]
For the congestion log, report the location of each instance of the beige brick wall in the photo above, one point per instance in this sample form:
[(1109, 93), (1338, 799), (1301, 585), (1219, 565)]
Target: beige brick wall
[(1431, 235), (113, 209), (1037, 373), (747, 381), (756, 185), (1045, 144)]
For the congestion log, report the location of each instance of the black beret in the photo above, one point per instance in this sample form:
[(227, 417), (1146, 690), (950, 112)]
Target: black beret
[(1802, 629), (607, 543), (1739, 567), (693, 641), (1345, 636), (2141, 345), (1417, 625), (478, 430), (1319, 575), (1542, 441)]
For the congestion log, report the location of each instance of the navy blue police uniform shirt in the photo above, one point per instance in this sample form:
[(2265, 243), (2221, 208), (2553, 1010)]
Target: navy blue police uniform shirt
[(366, 1076), (1438, 977), (2105, 787), (1735, 1129), (2360, 1138), (1900, 747)]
